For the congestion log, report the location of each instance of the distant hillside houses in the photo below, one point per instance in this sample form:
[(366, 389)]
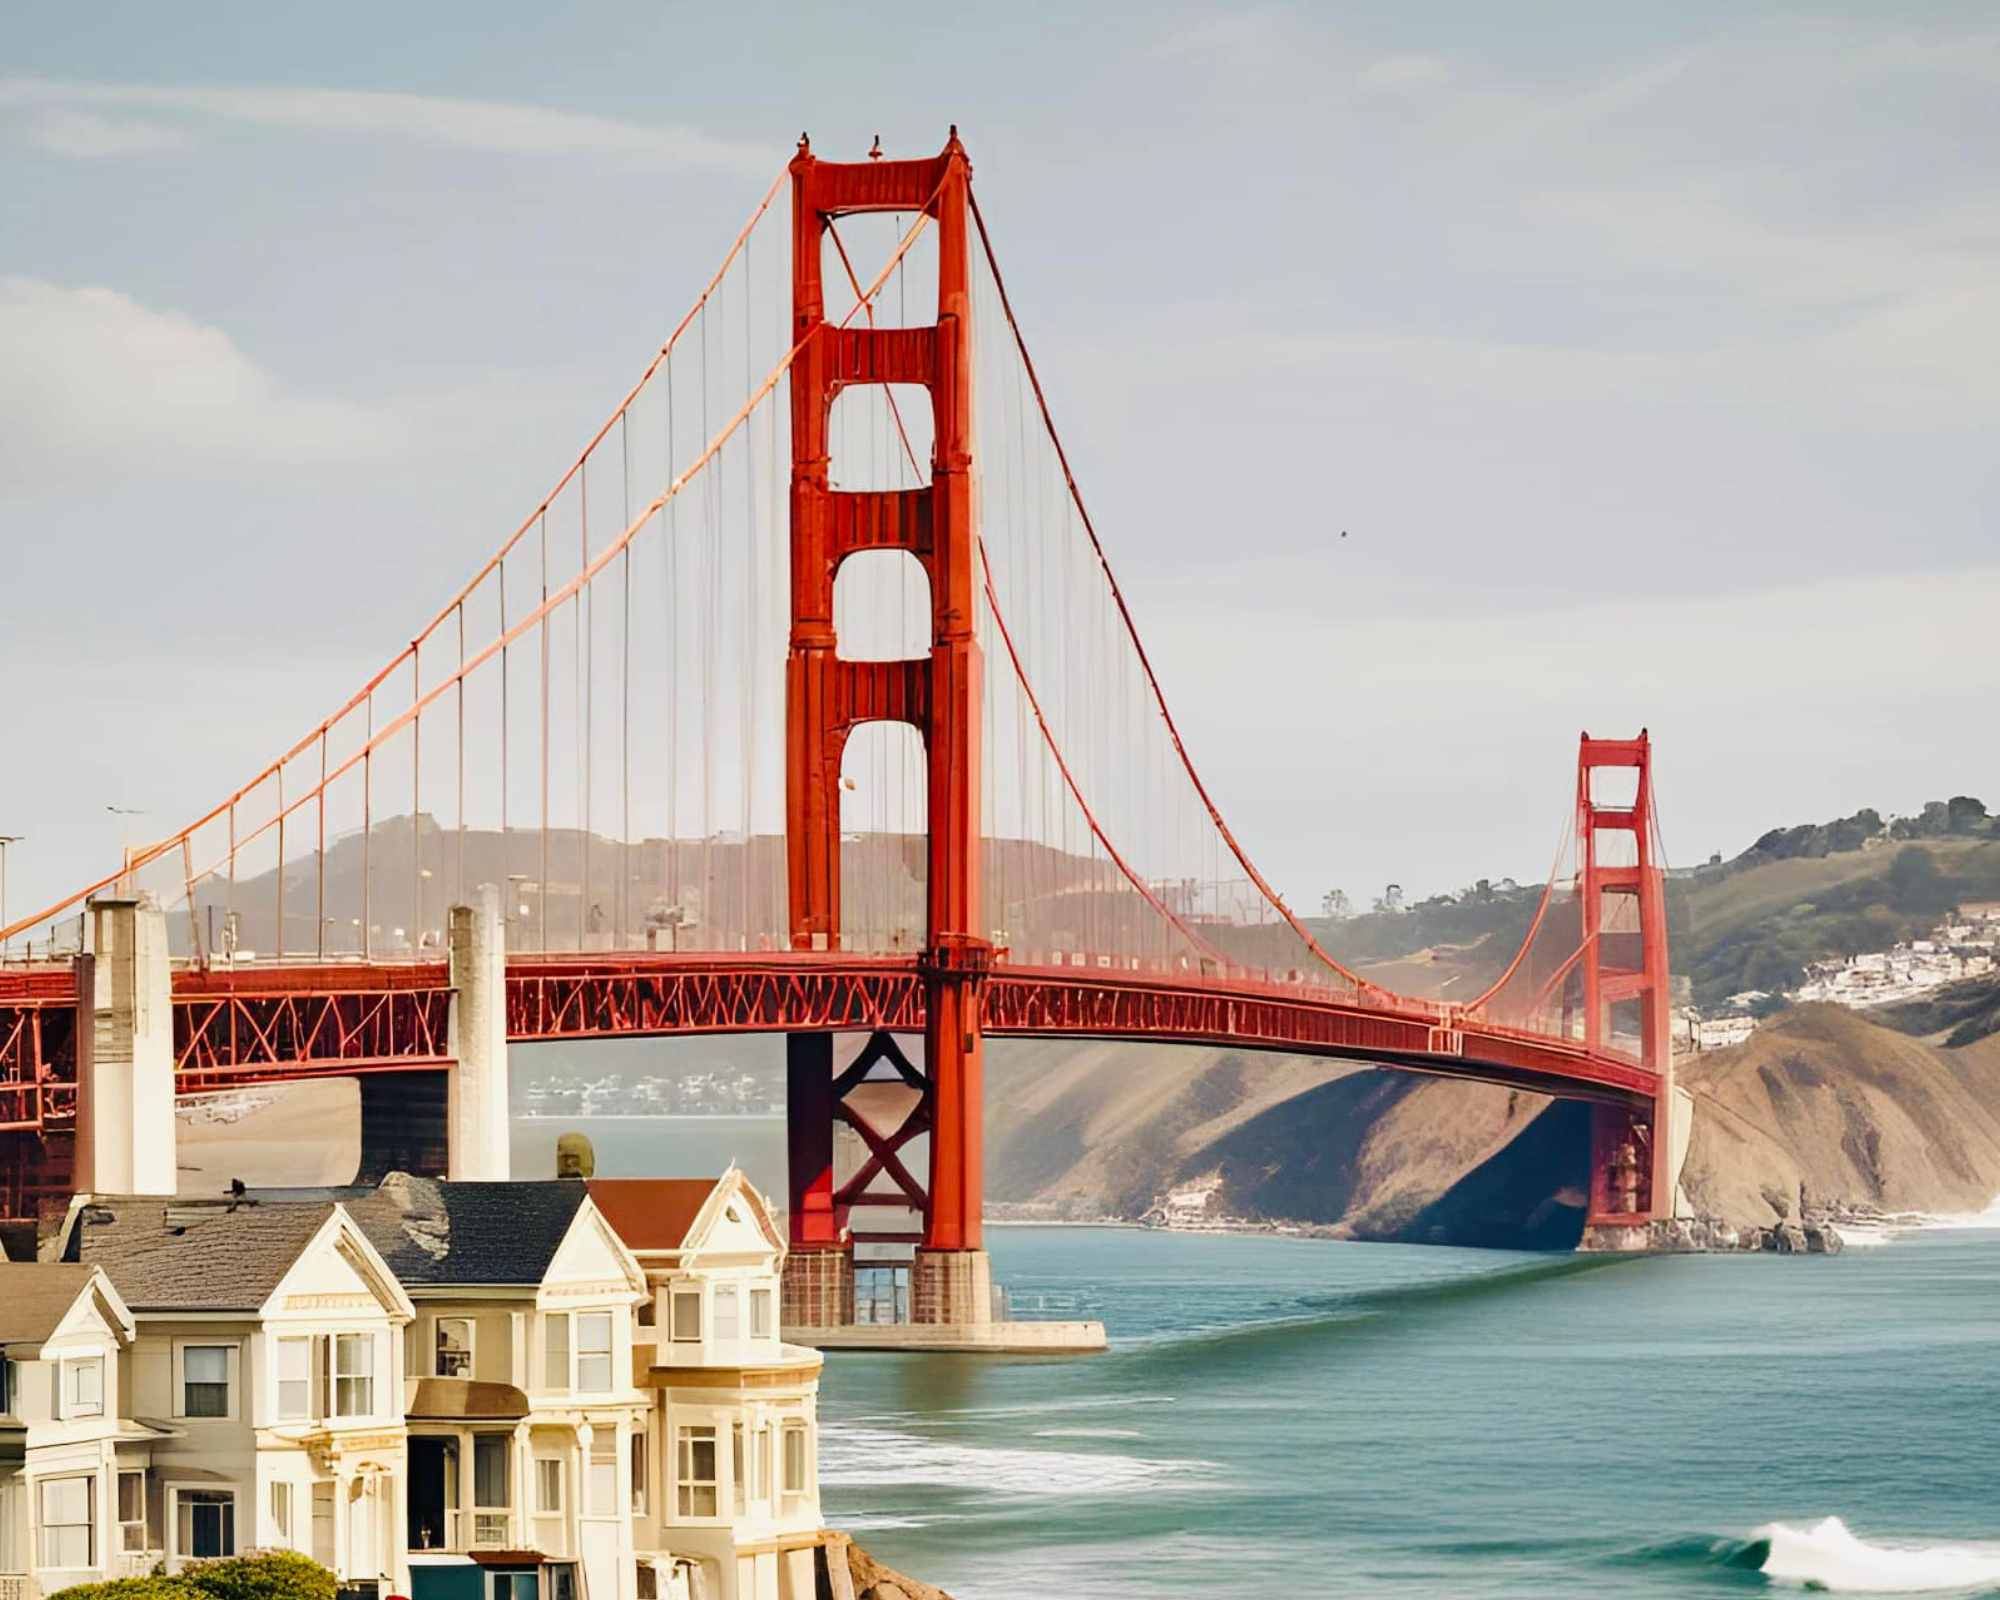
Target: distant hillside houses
[(1966, 945)]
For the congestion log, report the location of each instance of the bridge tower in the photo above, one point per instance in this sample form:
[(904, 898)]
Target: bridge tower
[(1635, 1151), (826, 697)]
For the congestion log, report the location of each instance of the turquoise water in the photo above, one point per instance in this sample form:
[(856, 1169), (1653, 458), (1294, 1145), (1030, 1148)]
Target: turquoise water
[(1290, 1417)]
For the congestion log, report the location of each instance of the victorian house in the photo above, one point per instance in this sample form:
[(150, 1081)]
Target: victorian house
[(73, 1469), (528, 1436), (735, 1440), (267, 1364)]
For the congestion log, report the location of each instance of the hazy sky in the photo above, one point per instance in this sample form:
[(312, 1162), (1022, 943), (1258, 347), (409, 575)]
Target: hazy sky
[(1649, 355)]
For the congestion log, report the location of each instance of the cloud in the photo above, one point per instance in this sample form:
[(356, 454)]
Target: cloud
[(92, 382), (61, 131), (1401, 74), (1238, 35), (494, 127)]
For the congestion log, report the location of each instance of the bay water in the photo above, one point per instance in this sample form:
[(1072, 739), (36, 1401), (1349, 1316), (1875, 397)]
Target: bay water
[(1282, 1416)]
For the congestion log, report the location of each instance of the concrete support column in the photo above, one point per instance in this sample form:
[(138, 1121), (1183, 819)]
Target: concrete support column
[(125, 1053), (817, 1289), (477, 1138), (952, 1286)]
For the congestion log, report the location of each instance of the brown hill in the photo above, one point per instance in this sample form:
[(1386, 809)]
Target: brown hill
[(1821, 1100)]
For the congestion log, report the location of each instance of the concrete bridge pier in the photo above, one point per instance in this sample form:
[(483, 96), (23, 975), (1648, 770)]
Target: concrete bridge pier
[(125, 1134), (1636, 1158), (476, 1141)]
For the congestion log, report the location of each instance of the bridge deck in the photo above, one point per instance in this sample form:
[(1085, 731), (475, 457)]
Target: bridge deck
[(276, 1022)]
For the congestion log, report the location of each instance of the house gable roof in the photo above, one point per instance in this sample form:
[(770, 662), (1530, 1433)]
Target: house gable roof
[(357, 1259), (436, 1233), (195, 1255), (36, 1297), (654, 1215)]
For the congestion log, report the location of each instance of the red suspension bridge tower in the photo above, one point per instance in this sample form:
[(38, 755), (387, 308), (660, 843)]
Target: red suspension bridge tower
[(938, 694)]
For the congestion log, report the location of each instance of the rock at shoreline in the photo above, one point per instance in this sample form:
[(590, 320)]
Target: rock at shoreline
[(870, 1580)]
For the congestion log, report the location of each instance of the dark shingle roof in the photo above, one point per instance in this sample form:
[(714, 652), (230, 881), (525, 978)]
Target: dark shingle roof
[(35, 1296), (439, 1233), (206, 1255)]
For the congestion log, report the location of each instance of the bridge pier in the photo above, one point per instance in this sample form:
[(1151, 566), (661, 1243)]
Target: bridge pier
[(125, 1132), (476, 1107)]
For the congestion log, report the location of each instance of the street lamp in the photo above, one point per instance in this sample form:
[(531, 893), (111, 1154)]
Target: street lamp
[(5, 840)]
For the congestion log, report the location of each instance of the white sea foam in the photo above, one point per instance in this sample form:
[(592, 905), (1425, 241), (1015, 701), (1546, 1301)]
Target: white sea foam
[(875, 1521), (1088, 1433), (1827, 1556), (854, 1457)]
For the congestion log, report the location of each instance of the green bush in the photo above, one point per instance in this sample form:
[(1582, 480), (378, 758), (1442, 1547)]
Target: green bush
[(258, 1575), (133, 1589), (263, 1575)]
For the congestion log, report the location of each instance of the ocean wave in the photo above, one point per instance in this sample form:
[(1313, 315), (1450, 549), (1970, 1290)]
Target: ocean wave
[(1828, 1557), (853, 1457), (1088, 1433)]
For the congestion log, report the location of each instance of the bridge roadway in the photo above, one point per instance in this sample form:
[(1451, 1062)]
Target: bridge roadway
[(277, 1022)]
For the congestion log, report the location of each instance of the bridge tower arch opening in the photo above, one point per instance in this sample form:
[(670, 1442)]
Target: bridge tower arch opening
[(938, 693)]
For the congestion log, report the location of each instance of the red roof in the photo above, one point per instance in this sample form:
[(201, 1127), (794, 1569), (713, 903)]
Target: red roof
[(651, 1213)]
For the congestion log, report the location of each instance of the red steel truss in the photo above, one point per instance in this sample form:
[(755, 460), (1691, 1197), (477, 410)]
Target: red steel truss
[(233, 1028)]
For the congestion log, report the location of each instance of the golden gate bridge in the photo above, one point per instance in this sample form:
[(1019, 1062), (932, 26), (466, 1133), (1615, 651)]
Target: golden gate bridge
[(807, 703)]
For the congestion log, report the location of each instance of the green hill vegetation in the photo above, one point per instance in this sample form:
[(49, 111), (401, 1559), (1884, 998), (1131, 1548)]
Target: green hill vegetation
[(1813, 892)]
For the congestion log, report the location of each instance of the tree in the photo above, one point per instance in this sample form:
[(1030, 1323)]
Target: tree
[(1390, 902), (1964, 814), (1915, 884), (1335, 905)]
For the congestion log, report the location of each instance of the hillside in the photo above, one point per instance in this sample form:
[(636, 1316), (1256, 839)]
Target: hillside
[(1813, 892), (1821, 1100), (1852, 1112)]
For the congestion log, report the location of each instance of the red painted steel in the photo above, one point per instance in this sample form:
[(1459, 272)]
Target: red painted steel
[(939, 695), (1632, 1177), (282, 1023)]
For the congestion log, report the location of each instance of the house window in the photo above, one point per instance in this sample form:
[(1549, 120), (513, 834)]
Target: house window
[(555, 1350), (205, 1380), (131, 1511), (6, 1387), (696, 1472), (206, 1524), (725, 1313), (593, 1352), (760, 1313), (562, 1580), (294, 1380), (738, 1464), (795, 1458), (604, 1473), (83, 1387), (489, 1471), (281, 1510), (687, 1316), (548, 1486), (353, 1374), (69, 1522), (639, 1472), (454, 1347)]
